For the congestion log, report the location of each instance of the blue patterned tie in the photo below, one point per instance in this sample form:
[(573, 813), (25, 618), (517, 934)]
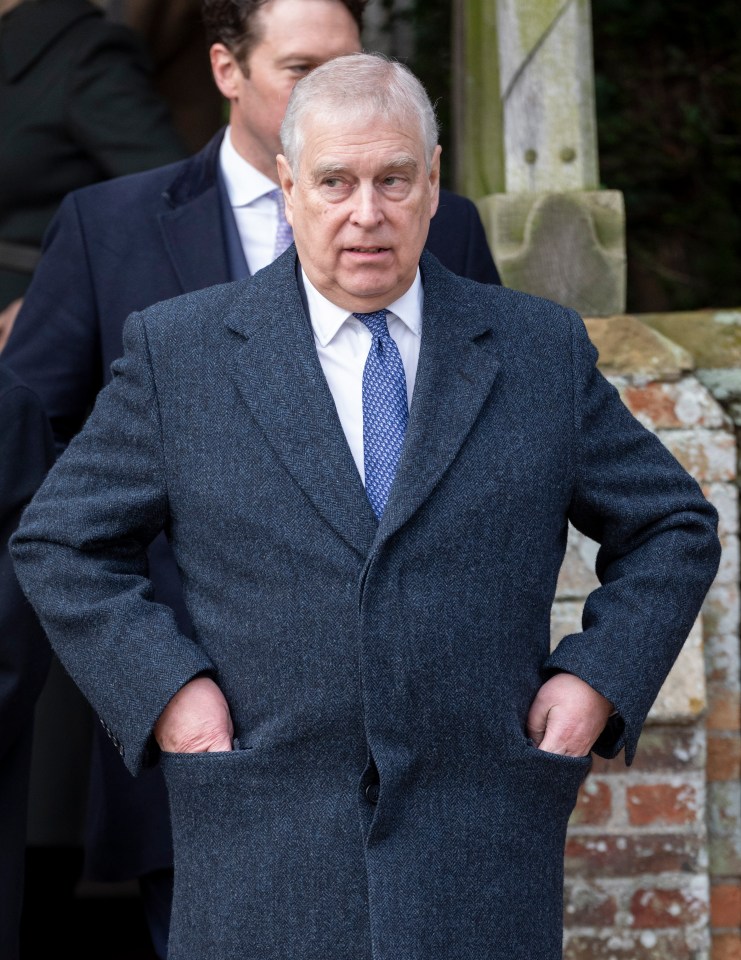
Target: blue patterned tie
[(385, 411), (284, 234)]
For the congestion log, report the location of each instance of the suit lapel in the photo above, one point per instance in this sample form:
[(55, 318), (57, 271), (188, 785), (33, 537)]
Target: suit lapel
[(457, 367), (280, 378)]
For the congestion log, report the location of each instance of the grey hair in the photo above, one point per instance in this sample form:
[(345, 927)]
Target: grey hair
[(358, 86)]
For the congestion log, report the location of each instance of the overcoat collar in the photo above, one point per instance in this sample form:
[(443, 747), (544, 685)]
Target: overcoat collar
[(278, 373), (192, 227)]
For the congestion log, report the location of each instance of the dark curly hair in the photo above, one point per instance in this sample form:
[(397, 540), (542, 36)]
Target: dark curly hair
[(234, 23)]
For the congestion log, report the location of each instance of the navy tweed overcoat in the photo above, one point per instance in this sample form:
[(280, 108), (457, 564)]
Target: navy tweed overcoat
[(383, 801)]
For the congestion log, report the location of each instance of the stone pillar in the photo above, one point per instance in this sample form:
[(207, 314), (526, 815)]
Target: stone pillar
[(547, 91), (552, 231)]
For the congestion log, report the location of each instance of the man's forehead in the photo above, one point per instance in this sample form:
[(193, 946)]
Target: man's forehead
[(272, 23), (332, 137)]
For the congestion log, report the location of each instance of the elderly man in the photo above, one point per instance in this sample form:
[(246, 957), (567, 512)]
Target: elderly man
[(366, 466), (133, 241)]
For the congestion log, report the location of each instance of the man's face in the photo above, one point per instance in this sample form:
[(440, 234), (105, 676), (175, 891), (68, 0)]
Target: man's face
[(360, 205), (296, 36)]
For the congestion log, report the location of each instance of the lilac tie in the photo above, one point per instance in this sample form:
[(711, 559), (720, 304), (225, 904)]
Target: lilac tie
[(284, 234), (385, 411)]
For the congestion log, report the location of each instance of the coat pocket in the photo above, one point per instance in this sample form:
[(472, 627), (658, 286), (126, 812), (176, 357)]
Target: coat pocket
[(547, 783)]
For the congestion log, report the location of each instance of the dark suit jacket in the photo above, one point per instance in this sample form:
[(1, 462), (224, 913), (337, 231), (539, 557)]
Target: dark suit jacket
[(26, 453), (383, 800), (116, 247), (76, 106)]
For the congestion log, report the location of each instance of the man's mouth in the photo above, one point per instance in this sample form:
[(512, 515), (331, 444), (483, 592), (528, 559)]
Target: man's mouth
[(368, 249)]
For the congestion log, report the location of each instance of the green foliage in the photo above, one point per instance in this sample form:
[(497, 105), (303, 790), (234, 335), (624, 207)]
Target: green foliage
[(430, 22), (433, 63), (668, 81)]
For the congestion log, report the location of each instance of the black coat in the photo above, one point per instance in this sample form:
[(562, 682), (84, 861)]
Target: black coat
[(76, 106), (26, 453)]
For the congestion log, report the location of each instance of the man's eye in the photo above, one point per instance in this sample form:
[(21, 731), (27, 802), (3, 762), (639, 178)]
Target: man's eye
[(299, 68), (332, 182)]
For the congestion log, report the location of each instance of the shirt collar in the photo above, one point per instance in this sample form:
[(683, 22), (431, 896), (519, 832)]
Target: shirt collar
[(327, 318), (244, 183)]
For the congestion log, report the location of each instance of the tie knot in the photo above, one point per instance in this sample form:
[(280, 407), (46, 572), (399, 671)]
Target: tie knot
[(375, 322)]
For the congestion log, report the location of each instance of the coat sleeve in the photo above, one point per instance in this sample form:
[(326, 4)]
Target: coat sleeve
[(80, 556), (659, 553), (54, 346), (27, 452)]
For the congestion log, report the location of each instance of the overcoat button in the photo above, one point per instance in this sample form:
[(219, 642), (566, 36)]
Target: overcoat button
[(371, 793)]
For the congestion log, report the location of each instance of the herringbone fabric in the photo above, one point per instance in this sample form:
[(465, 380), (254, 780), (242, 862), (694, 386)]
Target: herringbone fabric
[(385, 412)]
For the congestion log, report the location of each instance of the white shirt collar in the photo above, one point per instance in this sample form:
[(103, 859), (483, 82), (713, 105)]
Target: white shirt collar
[(244, 183), (327, 318)]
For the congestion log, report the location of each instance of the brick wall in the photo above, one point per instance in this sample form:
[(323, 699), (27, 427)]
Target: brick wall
[(637, 883), (653, 852)]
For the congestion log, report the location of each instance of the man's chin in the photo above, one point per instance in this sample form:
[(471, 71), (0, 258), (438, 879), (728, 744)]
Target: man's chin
[(361, 289), (373, 285)]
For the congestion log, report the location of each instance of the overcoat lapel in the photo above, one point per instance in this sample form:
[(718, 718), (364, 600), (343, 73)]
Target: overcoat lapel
[(456, 371), (279, 376)]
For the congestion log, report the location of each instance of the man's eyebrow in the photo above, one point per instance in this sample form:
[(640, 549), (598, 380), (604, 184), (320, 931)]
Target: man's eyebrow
[(402, 163), (328, 169), (331, 168), (297, 55)]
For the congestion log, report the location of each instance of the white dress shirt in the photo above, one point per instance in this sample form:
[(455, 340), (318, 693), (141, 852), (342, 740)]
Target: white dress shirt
[(343, 343), (256, 215)]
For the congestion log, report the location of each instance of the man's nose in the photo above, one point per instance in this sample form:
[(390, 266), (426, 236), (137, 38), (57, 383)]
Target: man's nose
[(367, 210)]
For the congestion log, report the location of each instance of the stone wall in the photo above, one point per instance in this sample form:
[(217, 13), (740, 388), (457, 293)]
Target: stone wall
[(653, 853)]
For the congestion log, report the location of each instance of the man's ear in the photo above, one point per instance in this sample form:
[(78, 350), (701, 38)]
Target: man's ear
[(435, 180), (285, 179), (225, 69)]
